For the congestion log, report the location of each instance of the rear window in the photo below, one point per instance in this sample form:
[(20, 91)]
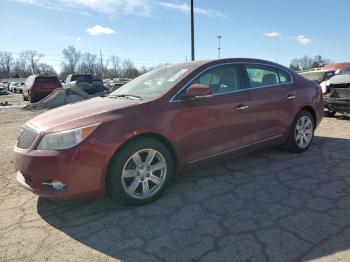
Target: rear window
[(43, 80), (81, 78), (263, 75)]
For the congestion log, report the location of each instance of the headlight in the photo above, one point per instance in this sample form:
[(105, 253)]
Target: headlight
[(65, 139)]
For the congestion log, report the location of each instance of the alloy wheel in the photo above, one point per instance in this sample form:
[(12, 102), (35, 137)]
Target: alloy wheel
[(144, 173), (304, 131)]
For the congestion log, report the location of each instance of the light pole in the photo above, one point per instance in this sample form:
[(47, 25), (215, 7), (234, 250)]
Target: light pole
[(219, 48), (192, 31)]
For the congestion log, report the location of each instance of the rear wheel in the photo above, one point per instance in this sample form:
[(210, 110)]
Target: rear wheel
[(140, 172), (301, 132)]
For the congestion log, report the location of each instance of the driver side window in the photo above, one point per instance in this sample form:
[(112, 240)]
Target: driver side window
[(223, 79)]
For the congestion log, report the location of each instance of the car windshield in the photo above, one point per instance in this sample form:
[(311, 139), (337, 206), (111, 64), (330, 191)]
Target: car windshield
[(154, 83), (345, 71), (316, 75)]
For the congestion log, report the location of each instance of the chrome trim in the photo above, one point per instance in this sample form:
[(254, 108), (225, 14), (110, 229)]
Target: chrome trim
[(172, 100), (291, 97), (39, 133), (234, 149), (241, 108)]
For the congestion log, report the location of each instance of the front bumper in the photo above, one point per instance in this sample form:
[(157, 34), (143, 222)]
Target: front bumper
[(341, 105), (82, 170)]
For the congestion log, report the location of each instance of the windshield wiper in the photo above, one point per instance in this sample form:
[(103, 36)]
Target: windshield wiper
[(128, 96)]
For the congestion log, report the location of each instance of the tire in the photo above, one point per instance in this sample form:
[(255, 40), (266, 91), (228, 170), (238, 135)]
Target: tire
[(301, 135), (127, 179), (32, 99), (330, 113)]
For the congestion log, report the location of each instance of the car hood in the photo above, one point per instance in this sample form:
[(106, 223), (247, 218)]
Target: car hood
[(340, 79), (92, 111)]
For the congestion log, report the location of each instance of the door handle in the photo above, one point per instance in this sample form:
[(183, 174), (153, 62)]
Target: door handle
[(291, 97), (242, 107)]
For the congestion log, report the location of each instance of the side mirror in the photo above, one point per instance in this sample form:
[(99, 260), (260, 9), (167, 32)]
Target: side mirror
[(198, 91)]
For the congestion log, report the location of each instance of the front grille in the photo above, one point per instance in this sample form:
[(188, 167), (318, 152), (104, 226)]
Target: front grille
[(27, 137)]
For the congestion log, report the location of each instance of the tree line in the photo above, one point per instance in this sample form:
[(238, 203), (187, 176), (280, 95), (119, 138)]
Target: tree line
[(76, 62), (73, 62), (307, 63)]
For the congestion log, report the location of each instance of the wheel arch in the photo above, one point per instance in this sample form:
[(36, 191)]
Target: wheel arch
[(311, 111), (156, 136)]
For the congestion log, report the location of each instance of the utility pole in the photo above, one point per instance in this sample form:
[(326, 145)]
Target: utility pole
[(101, 64), (219, 48), (192, 31)]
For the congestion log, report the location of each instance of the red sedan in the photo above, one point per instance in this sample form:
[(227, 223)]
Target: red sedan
[(132, 142)]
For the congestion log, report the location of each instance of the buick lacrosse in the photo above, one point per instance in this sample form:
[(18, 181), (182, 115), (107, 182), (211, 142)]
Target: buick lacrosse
[(133, 141)]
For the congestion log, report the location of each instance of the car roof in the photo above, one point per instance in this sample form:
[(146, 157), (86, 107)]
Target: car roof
[(228, 60)]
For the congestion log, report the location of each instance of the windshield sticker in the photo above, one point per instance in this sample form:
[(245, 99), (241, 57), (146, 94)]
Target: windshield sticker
[(177, 75)]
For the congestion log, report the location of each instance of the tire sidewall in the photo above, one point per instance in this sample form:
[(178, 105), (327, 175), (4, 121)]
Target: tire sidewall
[(293, 146), (118, 161)]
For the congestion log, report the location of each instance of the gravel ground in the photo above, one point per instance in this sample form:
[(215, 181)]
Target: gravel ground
[(267, 206)]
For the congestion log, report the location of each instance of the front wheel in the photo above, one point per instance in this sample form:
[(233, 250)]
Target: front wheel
[(301, 132), (140, 172)]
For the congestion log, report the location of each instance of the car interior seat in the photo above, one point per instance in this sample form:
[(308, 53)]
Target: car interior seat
[(269, 79)]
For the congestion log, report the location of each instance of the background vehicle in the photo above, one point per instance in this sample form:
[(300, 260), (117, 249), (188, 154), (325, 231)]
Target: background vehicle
[(38, 87), (345, 71), (108, 83), (14, 87), (321, 76), (3, 89), (19, 88), (338, 99), (337, 66), (133, 142), (86, 82)]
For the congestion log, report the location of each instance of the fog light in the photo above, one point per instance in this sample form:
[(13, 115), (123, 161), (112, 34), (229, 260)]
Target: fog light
[(55, 184)]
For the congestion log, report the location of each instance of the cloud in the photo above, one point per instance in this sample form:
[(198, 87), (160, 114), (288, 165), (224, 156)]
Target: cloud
[(115, 8), (99, 30), (79, 39), (301, 39), (109, 7), (186, 9), (273, 34)]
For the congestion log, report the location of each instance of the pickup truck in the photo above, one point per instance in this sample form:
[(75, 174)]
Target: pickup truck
[(86, 82)]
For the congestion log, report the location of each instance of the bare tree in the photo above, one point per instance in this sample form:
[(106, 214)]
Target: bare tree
[(32, 58), (116, 67), (89, 63), (20, 68), (128, 68), (46, 69), (307, 63), (6, 63), (72, 58)]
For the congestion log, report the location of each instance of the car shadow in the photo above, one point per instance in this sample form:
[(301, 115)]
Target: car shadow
[(268, 206)]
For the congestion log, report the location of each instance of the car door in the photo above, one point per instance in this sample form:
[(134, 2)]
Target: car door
[(213, 125), (273, 101)]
